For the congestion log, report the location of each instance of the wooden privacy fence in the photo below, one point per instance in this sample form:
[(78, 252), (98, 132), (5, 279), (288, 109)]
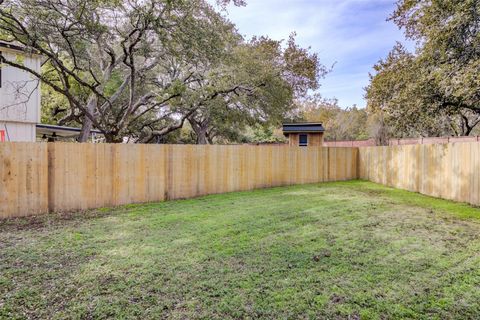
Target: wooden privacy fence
[(36, 178), (449, 171), (23, 179)]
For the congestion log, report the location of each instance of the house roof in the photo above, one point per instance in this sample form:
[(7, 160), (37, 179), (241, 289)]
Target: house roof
[(303, 127), (11, 46)]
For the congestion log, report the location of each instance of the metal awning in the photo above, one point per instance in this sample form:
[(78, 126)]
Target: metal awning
[(60, 131), (17, 47)]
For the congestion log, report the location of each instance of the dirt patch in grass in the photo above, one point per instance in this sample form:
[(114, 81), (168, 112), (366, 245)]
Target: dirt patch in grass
[(352, 250), (52, 220)]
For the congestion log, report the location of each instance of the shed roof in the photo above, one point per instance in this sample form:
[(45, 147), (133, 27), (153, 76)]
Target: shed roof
[(303, 127)]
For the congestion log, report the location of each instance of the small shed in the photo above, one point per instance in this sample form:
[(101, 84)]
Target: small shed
[(304, 134)]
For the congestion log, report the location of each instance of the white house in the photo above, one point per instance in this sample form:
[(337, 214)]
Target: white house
[(19, 95), (20, 101)]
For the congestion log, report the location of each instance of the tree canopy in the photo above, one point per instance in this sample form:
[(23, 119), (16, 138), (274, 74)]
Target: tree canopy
[(142, 69), (340, 123), (435, 90), (272, 78)]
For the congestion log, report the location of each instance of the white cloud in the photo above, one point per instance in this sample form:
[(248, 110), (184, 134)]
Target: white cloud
[(353, 33)]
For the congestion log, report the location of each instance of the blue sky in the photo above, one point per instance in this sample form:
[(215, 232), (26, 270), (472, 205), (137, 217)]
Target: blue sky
[(354, 34)]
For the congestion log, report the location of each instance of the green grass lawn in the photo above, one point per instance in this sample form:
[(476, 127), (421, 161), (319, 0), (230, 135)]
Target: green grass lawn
[(352, 250)]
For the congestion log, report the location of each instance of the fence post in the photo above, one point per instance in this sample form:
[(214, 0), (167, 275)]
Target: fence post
[(50, 176)]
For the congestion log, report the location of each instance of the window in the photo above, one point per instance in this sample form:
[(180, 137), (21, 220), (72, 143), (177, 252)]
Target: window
[(303, 141)]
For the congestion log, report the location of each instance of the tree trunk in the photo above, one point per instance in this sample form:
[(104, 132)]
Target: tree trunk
[(87, 123), (200, 130), (113, 138), (202, 136)]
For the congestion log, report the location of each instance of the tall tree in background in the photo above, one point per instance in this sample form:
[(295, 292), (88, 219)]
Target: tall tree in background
[(436, 90), (269, 77), (141, 69), (340, 123), (123, 66), (399, 97)]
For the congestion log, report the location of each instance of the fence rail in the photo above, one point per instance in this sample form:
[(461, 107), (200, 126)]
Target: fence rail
[(350, 143), (36, 178), (404, 141), (433, 140)]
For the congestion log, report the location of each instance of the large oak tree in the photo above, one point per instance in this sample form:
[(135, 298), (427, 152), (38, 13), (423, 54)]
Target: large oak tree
[(435, 90), (140, 69), (271, 77), (123, 66)]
